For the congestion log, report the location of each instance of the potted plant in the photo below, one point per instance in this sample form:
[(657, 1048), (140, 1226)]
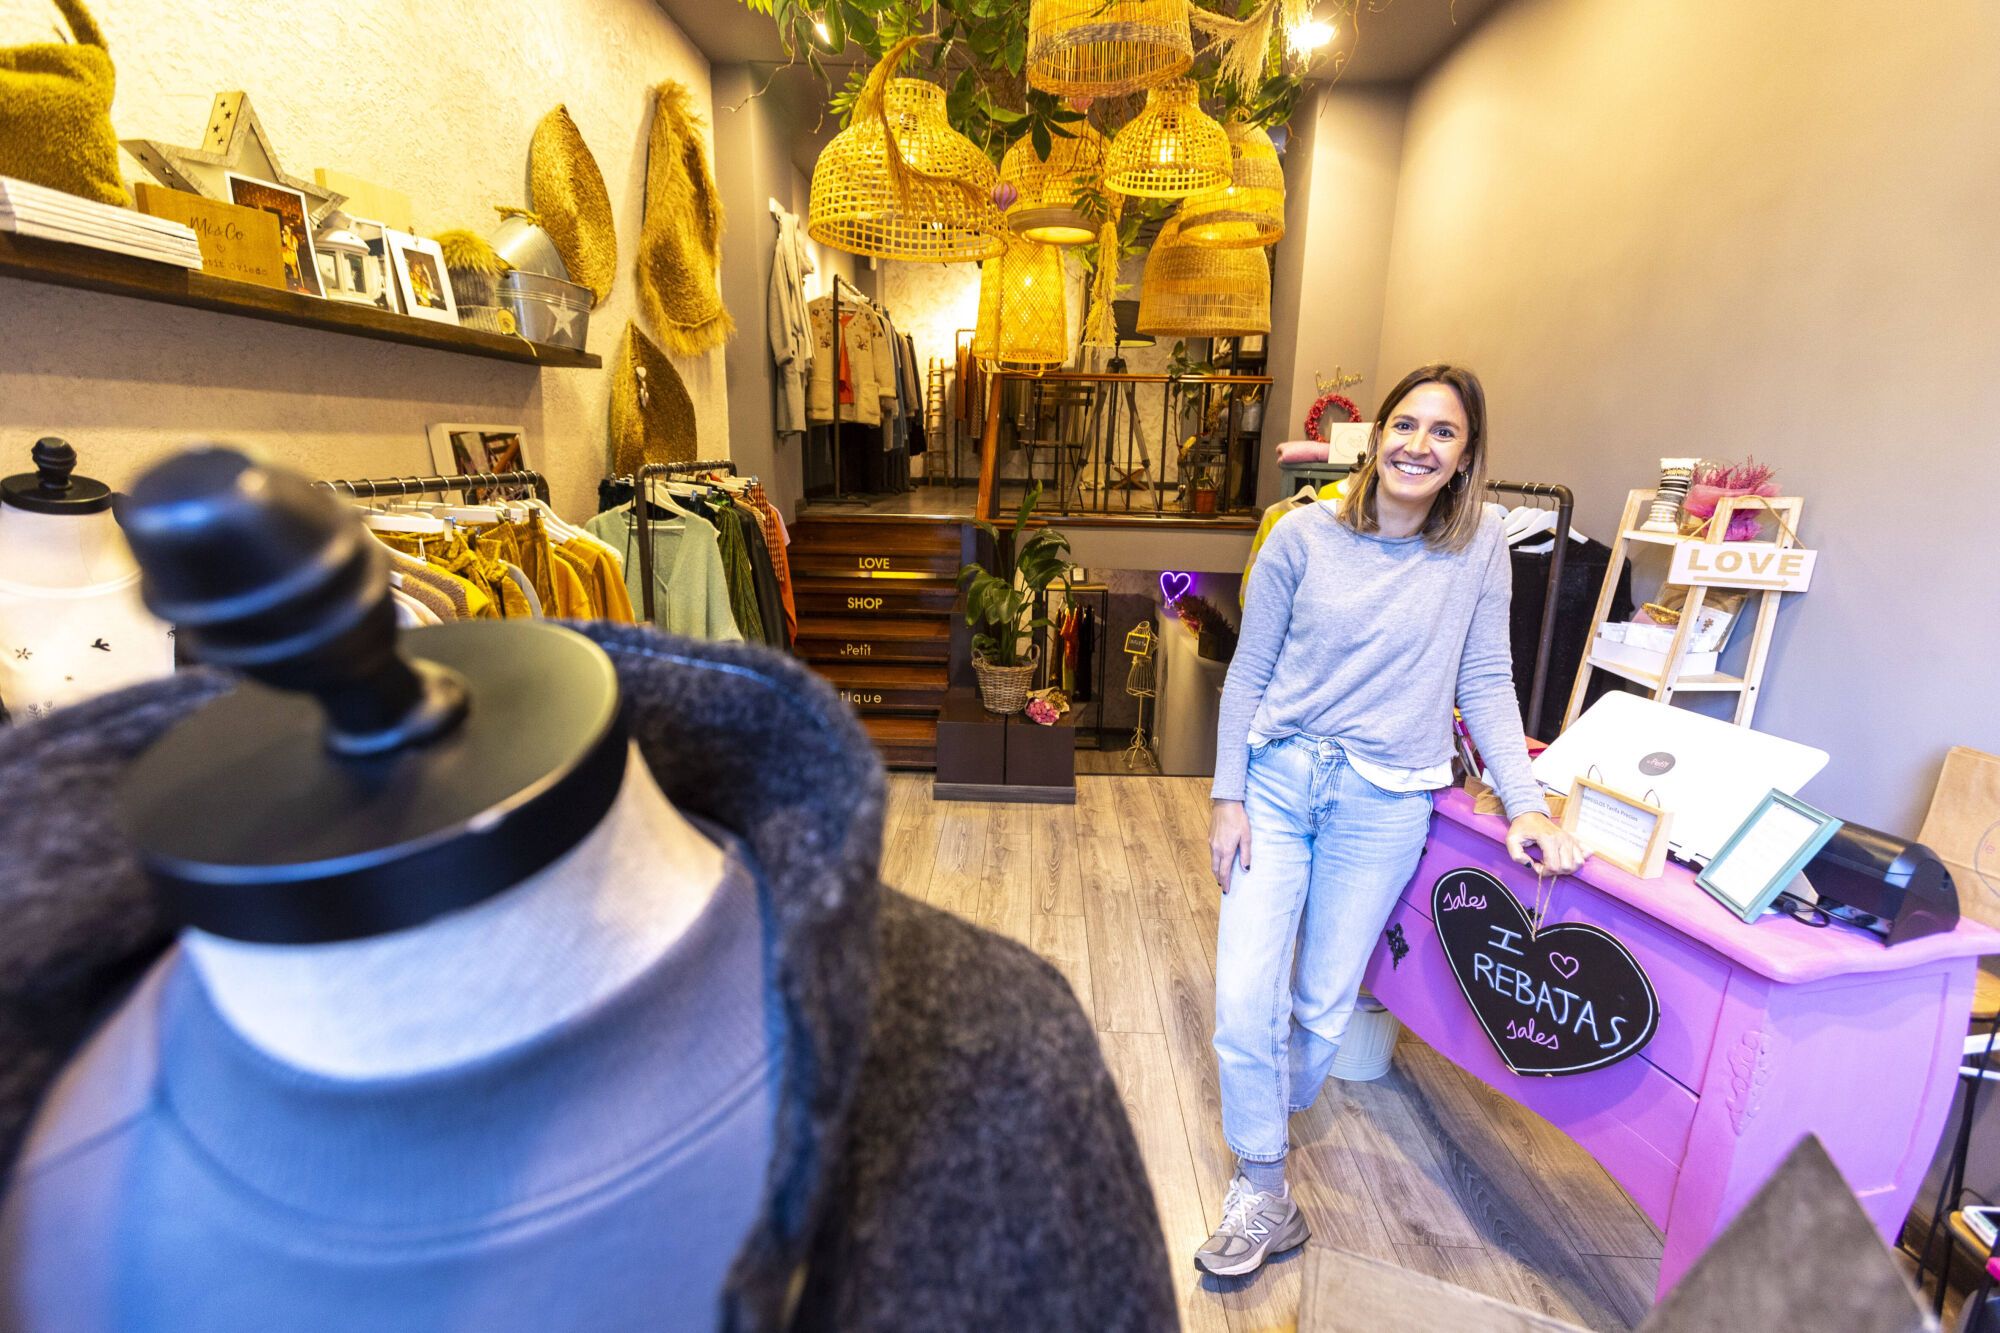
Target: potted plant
[(1005, 599)]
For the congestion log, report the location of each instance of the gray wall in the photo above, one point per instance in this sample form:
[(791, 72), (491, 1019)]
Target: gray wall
[(1724, 229)]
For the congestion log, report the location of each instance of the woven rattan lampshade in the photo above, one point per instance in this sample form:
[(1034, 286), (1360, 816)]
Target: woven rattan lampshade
[(1199, 291), (1045, 207), (1023, 311), (1250, 210), (1101, 48), (945, 212), (1170, 149)]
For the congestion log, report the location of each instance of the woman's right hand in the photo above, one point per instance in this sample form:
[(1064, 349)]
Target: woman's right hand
[(1228, 841)]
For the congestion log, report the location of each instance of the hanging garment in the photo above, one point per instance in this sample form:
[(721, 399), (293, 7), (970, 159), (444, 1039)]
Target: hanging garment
[(604, 575), (764, 580), (680, 239), (913, 394), (859, 362), (454, 555), (775, 542), (690, 595), (922, 1062), (464, 597), (417, 590), (1290, 504), (789, 324), (736, 571)]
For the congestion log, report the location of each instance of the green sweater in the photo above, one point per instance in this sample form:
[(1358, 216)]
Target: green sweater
[(690, 594)]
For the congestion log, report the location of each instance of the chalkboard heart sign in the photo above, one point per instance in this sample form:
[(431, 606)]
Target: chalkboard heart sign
[(1567, 999)]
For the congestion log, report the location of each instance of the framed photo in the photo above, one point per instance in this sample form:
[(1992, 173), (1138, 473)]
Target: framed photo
[(1618, 830), (297, 262), (1765, 855), (423, 288), (1251, 344), (459, 448)]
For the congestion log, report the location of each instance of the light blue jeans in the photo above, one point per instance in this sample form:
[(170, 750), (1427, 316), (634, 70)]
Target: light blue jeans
[(1329, 854)]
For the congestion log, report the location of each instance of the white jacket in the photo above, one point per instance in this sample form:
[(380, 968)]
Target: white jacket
[(869, 362), (790, 327)]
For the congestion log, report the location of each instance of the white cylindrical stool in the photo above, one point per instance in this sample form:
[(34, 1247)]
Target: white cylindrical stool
[(1370, 1042)]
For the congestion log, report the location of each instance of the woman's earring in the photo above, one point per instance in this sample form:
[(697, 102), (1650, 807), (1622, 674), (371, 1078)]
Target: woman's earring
[(1460, 482)]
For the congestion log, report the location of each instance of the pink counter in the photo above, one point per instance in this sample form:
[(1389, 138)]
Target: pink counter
[(1767, 1032)]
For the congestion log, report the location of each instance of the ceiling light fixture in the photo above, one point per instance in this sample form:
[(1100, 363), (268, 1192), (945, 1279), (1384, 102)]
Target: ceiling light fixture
[(1310, 36)]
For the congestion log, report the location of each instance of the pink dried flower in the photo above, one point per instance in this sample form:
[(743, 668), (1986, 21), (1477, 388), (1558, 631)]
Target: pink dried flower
[(1041, 712)]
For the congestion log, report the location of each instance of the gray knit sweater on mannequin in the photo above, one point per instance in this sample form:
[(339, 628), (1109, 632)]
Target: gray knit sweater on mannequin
[(1368, 640)]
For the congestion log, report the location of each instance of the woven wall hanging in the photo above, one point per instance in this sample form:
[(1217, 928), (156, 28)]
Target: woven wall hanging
[(1170, 149), (567, 192), (1023, 310), (652, 417), (1197, 291), (900, 183), (1101, 48), (680, 242), (1045, 204), (1250, 210)]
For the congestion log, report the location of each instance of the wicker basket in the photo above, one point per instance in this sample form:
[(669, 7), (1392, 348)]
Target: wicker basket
[(1023, 319), (1250, 210), (1046, 208), (943, 210), (1102, 48), (1172, 148), (1005, 689), (1192, 291)]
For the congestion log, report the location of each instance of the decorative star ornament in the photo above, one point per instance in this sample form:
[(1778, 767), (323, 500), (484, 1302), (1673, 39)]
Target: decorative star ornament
[(235, 142)]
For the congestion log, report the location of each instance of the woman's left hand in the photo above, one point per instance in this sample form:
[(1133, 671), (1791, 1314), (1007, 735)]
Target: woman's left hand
[(1561, 852)]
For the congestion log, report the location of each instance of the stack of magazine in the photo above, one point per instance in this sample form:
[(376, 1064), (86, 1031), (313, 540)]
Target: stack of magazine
[(51, 215)]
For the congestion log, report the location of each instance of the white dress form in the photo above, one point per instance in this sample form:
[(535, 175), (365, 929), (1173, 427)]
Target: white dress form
[(484, 979)]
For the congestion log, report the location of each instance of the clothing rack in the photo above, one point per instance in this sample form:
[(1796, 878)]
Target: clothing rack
[(1565, 506), (375, 486), (641, 511)]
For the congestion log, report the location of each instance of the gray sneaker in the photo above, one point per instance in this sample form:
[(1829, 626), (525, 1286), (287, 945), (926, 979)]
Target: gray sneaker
[(1254, 1227)]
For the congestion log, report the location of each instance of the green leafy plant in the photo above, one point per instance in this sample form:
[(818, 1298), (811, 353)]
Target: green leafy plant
[(1005, 597)]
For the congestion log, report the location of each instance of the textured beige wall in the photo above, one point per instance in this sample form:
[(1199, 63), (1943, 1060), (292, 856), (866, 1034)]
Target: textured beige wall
[(438, 100), (1660, 227)]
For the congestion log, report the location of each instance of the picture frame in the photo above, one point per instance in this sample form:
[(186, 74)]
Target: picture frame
[(1766, 853), (1619, 830), (462, 447), (423, 286), (298, 262)]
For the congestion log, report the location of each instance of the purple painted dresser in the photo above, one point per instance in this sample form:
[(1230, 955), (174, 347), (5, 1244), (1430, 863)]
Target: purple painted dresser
[(1767, 1032)]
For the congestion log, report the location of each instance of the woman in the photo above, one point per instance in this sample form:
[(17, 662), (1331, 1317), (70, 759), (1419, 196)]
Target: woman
[(1364, 619)]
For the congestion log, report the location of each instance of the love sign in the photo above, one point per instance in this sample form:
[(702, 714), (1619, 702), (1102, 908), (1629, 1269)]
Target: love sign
[(1562, 1000), (1764, 565)]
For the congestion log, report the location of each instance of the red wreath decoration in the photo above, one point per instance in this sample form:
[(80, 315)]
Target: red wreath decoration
[(1323, 402)]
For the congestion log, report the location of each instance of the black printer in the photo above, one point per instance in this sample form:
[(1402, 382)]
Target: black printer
[(1894, 889)]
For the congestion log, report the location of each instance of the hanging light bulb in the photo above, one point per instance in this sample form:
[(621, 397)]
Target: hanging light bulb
[(1046, 206), (1307, 38), (1170, 149)]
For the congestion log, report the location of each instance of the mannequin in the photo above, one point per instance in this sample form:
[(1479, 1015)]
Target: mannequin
[(484, 979), (71, 620)]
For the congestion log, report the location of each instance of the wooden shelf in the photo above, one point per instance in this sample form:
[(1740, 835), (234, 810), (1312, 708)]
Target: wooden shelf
[(122, 275), (1717, 683), (1655, 538)]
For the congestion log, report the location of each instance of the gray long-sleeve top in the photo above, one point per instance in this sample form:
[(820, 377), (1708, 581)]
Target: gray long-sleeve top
[(1368, 640)]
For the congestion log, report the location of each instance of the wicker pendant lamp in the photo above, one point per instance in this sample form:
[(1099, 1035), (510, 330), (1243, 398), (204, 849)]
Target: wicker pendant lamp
[(1170, 149), (1250, 210), (1197, 291), (1045, 206), (1023, 309), (900, 183), (1102, 48)]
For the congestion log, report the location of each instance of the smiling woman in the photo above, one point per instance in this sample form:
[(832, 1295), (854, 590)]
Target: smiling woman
[(1365, 621)]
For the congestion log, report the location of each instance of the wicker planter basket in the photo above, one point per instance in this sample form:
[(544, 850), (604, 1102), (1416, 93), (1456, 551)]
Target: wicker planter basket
[(1004, 689)]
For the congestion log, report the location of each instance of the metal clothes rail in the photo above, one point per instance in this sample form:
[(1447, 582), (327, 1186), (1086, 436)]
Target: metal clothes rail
[(641, 510), (1565, 506), (376, 486)]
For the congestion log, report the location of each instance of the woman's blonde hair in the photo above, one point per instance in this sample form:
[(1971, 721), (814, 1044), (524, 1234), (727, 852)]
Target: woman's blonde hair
[(1455, 512)]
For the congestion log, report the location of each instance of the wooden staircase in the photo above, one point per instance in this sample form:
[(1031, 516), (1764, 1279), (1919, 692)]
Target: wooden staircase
[(876, 598)]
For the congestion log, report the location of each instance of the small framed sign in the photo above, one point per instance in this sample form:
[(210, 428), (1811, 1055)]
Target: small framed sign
[(1765, 855), (1760, 565), (1618, 829)]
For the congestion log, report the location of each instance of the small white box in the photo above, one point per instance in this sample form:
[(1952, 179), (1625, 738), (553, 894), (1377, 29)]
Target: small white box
[(1637, 657)]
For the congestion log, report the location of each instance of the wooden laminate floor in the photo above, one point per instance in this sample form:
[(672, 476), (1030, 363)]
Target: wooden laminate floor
[(1426, 1167)]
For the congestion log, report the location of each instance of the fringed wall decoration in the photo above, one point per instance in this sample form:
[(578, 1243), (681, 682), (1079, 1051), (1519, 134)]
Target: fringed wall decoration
[(680, 242), (567, 190)]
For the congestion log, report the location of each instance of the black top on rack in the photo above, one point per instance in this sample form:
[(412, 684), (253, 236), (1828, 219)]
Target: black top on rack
[(362, 780)]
